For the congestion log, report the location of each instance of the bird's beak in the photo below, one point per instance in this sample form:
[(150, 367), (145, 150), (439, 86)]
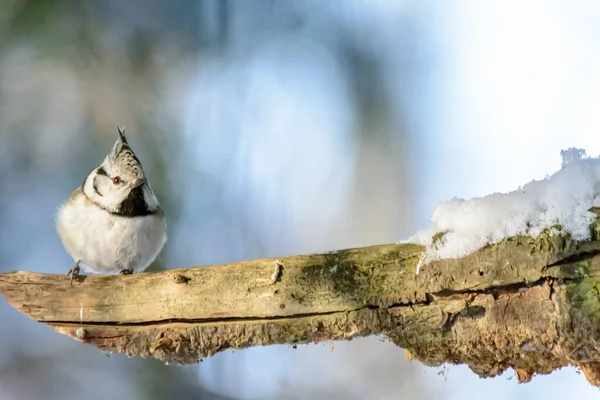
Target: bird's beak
[(139, 182)]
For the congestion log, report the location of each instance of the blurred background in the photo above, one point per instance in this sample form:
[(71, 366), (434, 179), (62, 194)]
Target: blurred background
[(279, 127)]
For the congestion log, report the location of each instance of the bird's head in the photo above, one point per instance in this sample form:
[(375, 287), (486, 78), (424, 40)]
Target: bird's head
[(119, 184)]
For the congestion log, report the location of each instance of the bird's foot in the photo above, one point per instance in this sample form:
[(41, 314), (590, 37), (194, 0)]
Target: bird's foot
[(74, 271), (126, 271)]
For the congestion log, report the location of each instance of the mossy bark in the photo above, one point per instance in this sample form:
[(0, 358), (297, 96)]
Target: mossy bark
[(532, 304)]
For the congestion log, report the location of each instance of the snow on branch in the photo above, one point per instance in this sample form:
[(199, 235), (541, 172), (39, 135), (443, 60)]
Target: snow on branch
[(510, 281), (558, 204)]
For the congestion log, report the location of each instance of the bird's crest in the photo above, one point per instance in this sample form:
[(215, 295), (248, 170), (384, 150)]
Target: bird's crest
[(123, 158)]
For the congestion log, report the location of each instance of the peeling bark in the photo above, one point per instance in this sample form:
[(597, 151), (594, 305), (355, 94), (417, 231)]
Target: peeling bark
[(531, 304)]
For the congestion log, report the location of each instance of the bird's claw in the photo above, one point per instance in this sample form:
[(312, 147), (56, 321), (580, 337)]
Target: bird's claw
[(73, 272), (126, 271)]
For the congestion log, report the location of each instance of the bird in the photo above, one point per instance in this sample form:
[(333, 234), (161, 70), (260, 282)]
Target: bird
[(113, 222)]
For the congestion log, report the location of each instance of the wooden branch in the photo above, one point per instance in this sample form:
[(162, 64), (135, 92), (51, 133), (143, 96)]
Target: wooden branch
[(528, 304)]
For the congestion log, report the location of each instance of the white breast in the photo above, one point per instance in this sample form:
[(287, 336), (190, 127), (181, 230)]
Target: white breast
[(105, 243)]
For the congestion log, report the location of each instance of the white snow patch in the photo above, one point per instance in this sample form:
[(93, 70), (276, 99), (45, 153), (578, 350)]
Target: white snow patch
[(563, 198)]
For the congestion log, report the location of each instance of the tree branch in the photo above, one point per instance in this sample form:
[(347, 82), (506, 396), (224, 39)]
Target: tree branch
[(532, 304)]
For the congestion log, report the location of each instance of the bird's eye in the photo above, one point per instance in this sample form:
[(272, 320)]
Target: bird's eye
[(116, 180)]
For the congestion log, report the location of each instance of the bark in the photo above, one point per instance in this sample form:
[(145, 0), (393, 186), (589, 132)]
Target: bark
[(531, 304)]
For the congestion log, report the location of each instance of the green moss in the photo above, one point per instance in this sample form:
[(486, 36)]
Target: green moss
[(595, 229), (584, 296), (558, 227), (584, 267), (551, 230), (337, 272), (438, 236), (552, 239), (369, 275)]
